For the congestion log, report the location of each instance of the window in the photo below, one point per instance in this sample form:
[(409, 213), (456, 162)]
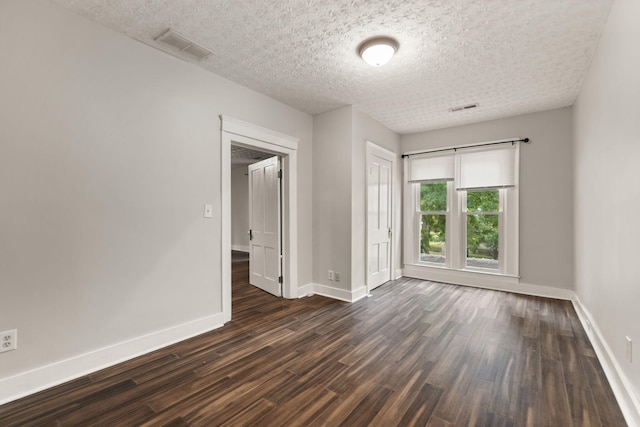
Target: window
[(433, 222), (482, 212), (464, 207)]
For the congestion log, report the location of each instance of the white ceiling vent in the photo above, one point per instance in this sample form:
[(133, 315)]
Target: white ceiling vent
[(463, 107), (177, 41)]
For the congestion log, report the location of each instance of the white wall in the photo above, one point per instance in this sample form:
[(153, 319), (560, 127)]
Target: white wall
[(607, 190), (239, 208), (332, 196), (367, 129), (339, 195), (546, 187), (110, 149)]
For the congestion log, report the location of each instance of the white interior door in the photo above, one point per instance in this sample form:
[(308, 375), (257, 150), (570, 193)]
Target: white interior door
[(264, 225), (379, 221)]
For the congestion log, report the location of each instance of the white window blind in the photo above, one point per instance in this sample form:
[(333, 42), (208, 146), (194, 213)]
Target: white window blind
[(487, 168), (432, 168)]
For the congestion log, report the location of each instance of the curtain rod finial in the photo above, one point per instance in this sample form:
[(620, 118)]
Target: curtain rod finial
[(525, 140)]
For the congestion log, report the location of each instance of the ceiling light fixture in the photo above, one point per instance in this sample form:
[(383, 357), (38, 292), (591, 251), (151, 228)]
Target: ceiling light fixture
[(378, 51)]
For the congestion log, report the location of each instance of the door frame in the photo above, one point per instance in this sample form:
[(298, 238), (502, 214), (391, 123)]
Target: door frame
[(391, 156), (238, 132)]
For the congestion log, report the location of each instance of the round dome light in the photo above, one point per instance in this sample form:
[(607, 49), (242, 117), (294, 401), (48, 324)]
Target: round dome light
[(378, 50)]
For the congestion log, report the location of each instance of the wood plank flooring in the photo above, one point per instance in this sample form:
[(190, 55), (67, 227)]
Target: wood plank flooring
[(416, 353)]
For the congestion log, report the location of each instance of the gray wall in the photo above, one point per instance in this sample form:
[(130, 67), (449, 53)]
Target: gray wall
[(546, 187), (109, 150), (607, 195), (339, 194), (367, 129), (239, 208), (332, 196)]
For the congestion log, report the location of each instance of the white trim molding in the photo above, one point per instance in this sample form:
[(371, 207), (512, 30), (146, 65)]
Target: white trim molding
[(311, 289), (44, 377), (620, 384), (238, 132), (249, 130), (306, 290), (496, 282), (240, 248)]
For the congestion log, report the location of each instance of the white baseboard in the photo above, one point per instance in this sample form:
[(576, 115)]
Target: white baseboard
[(358, 294), (38, 379), (620, 384), (331, 292), (486, 281), (541, 291), (398, 274), (240, 248), (305, 291)]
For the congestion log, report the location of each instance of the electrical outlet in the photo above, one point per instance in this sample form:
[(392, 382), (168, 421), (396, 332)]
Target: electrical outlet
[(330, 277), (8, 340), (629, 349), (336, 276)]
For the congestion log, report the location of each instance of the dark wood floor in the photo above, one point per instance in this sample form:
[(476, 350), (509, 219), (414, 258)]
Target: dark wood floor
[(416, 353)]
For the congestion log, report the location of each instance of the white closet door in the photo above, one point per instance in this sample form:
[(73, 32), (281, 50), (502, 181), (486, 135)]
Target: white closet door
[(379, 185)]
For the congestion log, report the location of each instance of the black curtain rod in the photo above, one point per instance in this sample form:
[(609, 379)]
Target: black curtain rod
[(525, 140)]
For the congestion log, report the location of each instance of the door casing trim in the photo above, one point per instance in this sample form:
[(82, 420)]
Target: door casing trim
[(238, 132)]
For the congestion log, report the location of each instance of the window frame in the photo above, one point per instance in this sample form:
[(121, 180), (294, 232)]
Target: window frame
[(455, 269)]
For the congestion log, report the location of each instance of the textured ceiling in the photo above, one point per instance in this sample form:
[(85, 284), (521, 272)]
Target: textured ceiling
[(242, 156), (510, 56)]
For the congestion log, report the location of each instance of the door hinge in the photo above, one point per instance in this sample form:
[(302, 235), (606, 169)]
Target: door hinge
[(280, 279), (280, 174), (250, 234)]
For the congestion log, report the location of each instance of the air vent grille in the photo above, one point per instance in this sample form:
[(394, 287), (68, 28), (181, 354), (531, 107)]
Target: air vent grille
[(178, 42), (464, 107)]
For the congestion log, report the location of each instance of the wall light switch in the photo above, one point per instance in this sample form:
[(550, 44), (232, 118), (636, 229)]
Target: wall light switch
[(208, 211)]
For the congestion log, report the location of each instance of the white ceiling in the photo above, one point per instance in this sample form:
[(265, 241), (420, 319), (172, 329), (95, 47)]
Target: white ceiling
[(243, 156), (510, 56)]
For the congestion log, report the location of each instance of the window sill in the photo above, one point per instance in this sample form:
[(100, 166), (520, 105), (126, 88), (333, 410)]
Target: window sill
[(436, 273)]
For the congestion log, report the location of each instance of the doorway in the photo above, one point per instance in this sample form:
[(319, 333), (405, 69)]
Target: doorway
[(239, 133), (256, 212)]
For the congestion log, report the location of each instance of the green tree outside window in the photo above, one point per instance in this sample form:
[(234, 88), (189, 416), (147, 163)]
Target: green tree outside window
[(433, 202), (482, 230)]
